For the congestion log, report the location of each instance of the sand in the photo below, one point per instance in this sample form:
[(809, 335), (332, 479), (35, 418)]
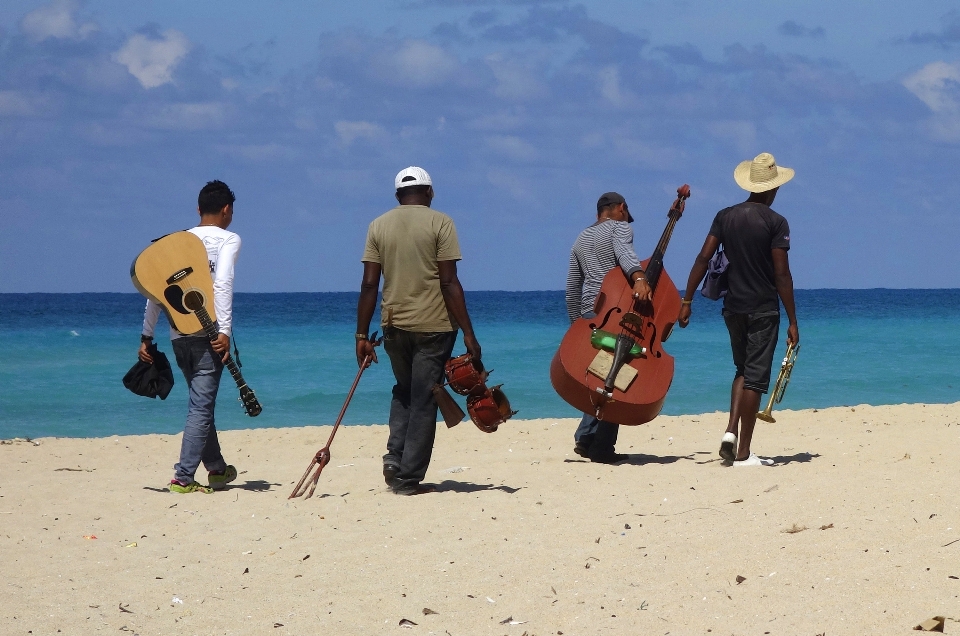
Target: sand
[(849, 533)]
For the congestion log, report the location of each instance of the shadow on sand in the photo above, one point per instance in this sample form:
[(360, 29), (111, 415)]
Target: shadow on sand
[(449, 485), (637, 459), (783, 460)]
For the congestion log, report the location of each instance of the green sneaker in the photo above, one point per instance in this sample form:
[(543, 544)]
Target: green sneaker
[(220, 481), (176, 486)]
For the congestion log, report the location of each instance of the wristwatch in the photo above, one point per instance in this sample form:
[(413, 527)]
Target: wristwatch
[(144, 338), (360, 336)]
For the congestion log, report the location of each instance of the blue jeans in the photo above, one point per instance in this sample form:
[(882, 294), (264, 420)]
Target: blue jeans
[(202, 368), (417, 360), (597, 436)]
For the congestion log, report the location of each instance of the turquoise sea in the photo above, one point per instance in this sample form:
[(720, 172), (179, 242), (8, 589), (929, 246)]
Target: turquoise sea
[(62, 357)]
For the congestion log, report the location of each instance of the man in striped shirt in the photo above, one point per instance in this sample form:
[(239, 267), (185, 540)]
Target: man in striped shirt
[(606, 244)]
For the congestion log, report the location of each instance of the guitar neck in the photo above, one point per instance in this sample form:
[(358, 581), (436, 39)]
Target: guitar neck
[(210, 329)]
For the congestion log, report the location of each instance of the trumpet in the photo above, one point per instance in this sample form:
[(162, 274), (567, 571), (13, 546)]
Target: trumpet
[(786, 368)]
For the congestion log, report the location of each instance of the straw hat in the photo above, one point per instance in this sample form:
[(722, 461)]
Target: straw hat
[(761, 174)]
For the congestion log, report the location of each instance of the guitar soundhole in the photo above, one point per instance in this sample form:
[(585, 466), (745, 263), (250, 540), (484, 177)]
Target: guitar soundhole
[(193, 300), (174, 296)]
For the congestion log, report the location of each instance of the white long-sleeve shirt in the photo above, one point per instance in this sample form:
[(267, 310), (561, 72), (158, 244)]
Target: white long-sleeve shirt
[(222, 249)]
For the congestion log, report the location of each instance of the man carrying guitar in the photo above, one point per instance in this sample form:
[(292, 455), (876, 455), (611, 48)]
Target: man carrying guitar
[(606, 244), (755, 240), (201, 359), (416, 250)]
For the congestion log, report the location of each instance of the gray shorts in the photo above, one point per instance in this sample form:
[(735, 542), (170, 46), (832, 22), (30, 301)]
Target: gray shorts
[(753, 339)]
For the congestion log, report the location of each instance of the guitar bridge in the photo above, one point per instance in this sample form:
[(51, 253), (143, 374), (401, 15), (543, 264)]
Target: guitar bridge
[(183, 273)]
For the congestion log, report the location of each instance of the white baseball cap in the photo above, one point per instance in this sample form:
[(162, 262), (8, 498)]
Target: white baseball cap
[(412, 176)]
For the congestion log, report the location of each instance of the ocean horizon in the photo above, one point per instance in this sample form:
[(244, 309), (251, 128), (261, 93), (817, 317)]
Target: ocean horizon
[(62, 358)]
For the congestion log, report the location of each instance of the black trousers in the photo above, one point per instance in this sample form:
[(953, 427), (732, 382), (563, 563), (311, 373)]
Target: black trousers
[(417, 360)]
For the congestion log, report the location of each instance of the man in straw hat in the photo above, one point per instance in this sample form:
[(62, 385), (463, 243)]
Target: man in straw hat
[(416, 250), (756, 240)]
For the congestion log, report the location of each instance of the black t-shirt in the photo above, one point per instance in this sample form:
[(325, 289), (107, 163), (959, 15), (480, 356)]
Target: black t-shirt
[(749, 232)]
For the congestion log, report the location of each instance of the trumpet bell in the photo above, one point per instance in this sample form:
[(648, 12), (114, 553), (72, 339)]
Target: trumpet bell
[(766, 417)]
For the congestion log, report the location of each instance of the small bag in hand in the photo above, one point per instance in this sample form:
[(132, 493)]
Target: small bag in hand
[(715, 285), (151, 380)]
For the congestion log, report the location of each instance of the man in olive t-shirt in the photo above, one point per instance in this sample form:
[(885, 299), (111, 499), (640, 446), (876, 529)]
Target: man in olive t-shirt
[(416, 250)]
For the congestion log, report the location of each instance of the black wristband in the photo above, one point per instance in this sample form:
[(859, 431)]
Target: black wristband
[(144, 338)]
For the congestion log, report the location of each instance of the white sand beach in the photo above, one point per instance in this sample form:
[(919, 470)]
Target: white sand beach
[(855, 530)]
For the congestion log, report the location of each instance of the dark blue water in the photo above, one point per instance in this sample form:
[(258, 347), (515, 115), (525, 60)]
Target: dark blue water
[(62, 357)]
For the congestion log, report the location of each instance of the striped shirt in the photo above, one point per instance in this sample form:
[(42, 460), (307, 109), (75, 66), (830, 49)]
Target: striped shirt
[(598, 249)]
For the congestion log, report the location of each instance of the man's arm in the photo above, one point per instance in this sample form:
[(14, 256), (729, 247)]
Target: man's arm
[(365, 308), (150, 316), (629, 262), (456, 304), (697, 272), (223, 294), (784, 281), (574, 288)]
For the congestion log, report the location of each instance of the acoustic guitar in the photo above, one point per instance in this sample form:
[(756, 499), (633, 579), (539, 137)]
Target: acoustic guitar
[(174, 272)]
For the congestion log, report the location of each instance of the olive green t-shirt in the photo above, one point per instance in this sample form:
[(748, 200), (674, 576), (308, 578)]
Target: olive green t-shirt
[(408, 242)]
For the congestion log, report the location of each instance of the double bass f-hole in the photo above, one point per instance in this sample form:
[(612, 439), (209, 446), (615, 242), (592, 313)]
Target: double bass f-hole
[(606, 318)]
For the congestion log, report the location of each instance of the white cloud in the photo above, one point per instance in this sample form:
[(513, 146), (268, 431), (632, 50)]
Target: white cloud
[(937, 85), (152, 61), (55, 21), (350, 131), (417, 63)]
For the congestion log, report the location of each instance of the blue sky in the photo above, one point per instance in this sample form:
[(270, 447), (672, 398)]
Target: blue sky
[(113, 114)]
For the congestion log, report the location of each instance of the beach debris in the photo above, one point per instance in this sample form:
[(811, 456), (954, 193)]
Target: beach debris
[(176, 600), (305, 558), (932, 516), (454, 469), (19, 440), (246, 570), (275, 625), (830, 525), (509, 621), (248, 552), (90, 536), (406, 622), (626, 526), (905, 456), (427, 611), (74, 470), (794, 529), (740, 579), (123, 608), (771, 488), (951, 543), (131, 545), (953, 577), (490, 600), (934, 624), (737, 501)]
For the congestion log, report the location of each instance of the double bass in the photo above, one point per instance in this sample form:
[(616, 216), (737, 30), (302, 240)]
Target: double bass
[(614, 365)]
